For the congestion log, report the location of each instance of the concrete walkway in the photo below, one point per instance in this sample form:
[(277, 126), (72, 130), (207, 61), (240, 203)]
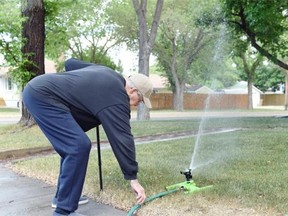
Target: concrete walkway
[(277, 111), (23, 196)]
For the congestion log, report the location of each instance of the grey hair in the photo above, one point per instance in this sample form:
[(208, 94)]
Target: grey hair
[(130, 83)]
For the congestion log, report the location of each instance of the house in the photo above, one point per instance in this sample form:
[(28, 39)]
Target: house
[(159, 83), (241, 87), (9, 92), (198, 89)]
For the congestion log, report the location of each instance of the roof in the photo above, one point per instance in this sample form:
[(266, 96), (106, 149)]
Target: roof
[(241, 87), (158, 82), (198, 89)]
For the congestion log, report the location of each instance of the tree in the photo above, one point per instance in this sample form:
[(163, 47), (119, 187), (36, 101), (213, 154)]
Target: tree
[(10, 33), (11, 41), (269, 77), (9, 29), (139, 33), (248, 61), (264, 23), (180, 42), (146, 42), (33, 33), (80, 29), (214, 68)]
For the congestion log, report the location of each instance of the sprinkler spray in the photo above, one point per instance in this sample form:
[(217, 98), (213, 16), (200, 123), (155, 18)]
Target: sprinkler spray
[(189, 185)]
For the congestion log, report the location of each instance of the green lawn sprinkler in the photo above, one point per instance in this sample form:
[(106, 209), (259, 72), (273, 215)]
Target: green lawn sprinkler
[(189, 185)]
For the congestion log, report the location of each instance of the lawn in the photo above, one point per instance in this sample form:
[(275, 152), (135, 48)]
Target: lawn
[(247, 167), (9, 110)]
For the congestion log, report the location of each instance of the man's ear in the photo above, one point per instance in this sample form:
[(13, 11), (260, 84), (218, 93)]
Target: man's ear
[(131, 90)]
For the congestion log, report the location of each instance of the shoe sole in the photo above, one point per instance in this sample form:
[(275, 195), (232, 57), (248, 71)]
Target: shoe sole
[(82, 202)]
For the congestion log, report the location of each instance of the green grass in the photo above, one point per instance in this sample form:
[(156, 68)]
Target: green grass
[(248, 168), (9, 110), (15, 137)]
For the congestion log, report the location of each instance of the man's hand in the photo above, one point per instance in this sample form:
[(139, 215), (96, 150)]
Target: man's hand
[(139, 191)]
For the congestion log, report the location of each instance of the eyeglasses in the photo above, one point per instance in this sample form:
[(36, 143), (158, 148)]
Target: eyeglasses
[(139, 94)]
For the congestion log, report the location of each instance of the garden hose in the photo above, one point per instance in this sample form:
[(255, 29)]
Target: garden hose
[(161, 194)]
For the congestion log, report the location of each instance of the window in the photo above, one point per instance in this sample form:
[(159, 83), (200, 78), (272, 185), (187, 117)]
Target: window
[(8, 84)]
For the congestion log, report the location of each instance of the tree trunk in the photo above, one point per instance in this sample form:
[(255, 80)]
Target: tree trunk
[(178, 98), (250, 72), (286, 91), (33, 33), (250, 94), (146, 43), (143, 113)]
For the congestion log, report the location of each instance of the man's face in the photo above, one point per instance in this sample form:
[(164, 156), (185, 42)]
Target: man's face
[(135, 96)]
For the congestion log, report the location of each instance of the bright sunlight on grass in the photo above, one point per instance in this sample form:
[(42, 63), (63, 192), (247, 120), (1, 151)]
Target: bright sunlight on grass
[(247, 168)]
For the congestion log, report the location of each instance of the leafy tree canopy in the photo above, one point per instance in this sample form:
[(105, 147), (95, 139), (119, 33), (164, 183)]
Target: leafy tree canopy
[(80, 29), (263, 22), (10, 32)]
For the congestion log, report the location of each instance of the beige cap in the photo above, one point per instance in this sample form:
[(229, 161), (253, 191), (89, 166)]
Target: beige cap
[(144, 85)]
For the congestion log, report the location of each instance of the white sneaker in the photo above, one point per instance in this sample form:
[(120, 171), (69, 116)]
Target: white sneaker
[(82, 200), (71, 214)]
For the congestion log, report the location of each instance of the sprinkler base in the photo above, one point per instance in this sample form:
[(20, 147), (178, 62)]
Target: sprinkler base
[(189, 187)]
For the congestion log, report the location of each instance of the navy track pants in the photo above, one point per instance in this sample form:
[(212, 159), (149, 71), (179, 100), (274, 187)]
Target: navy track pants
[(68, 140)]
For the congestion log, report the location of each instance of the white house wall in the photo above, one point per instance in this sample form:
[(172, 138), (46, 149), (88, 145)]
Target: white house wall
[(10, 96)]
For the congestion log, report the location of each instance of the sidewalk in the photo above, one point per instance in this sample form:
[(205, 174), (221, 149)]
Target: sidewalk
[(276, 111), (23, 196)]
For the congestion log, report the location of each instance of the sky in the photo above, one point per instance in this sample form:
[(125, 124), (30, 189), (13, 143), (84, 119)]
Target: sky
[(129, 59)]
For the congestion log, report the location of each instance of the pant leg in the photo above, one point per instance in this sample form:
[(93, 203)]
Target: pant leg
[(68, 140), (58, 183)]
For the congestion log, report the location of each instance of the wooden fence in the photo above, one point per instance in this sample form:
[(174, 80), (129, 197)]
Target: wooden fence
[(201, 101), (273, 99)]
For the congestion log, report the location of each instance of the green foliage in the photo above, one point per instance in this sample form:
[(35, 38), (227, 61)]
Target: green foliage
[(10, 32), (263, 21), (214, 74), (56, 42), (124, 21), (174, 45), (210, 16), (11, 42), (98, 58), (20, 75), (194, 42), (268, 77), (80, 29), (266, 20)]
